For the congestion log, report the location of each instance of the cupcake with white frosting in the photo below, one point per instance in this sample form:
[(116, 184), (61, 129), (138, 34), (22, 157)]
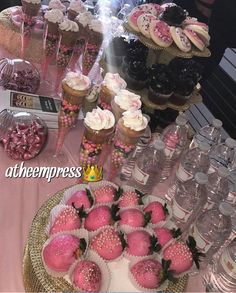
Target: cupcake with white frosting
[(131, 126), (110, 87), (75, 7), (99, 125), (75, 87), (123, 101), (69, 34), (31, 7), (84, 19), (56, 4)]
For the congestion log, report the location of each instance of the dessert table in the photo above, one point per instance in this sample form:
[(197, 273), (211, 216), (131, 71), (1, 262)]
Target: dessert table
[(22, 197)]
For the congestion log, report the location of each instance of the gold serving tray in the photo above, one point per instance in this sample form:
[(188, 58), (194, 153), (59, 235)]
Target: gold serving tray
[(172, 50), (195, 98), (35, 276)]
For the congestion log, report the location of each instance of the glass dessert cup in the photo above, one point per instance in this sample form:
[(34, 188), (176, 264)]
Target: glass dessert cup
[(72, 101), (92, 145)]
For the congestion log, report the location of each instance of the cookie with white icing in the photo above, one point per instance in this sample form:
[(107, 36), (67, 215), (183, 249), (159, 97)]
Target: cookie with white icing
[(194, 38), (194, 21), (180, 39), (160, 33), (144, 22)]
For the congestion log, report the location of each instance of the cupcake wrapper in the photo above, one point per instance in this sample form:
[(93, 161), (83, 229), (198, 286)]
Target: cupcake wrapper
[(149, 199), (72, 190), (81, 233), (106, 274), (95, 233), (125, 189), (135, 257), (95, 185), (193, 268), (136, 284)]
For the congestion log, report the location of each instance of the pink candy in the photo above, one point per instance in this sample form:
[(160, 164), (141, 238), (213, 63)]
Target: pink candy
[(24, 142)]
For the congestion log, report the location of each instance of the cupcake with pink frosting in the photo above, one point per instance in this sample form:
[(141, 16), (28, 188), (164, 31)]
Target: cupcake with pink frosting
[(123, 101), (75, 7), (110, 87)]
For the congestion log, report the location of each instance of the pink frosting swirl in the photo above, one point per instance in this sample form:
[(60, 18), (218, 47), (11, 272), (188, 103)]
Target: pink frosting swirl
[(77, 81), (99, 119)]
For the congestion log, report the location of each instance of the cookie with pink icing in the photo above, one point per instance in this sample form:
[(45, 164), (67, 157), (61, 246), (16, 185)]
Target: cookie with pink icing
[(194, 21), (67, 219), (194, 38), (147, 243), (201, 31), (108, 243), (133, 18), (180, 39), (60, 253), (160, 33), (152, 8), (87, 276), (143, 22)]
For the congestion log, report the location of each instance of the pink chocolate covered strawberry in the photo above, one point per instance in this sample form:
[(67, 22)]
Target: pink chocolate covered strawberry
[(157, 210), (104, 194), (130, 198), (100, 216), (141, 243), (108, 243), (60, 253), (81, 198), (133, 217), (164, 235), (67, 219), (87, 276), (150, 274), (182, 255)]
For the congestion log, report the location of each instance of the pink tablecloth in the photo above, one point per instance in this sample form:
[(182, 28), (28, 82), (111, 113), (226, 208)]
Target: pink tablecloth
[(19, 201)]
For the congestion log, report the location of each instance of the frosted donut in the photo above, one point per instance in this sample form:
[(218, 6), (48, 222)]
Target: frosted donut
[(143, 22), (160, 33), (133, 17), (194, 38), (180, 39), (201, 31)]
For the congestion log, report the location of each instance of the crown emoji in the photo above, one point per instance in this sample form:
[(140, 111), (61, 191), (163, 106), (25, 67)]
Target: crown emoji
[(92, 173)]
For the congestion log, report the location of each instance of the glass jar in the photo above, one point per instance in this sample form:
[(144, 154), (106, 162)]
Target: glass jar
[(19, 75), (22, 134)]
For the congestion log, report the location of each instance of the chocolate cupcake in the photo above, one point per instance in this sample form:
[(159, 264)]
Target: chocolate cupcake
[(116, 51), (136, 75), (161, 84), (186, 74), (135, 51)]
